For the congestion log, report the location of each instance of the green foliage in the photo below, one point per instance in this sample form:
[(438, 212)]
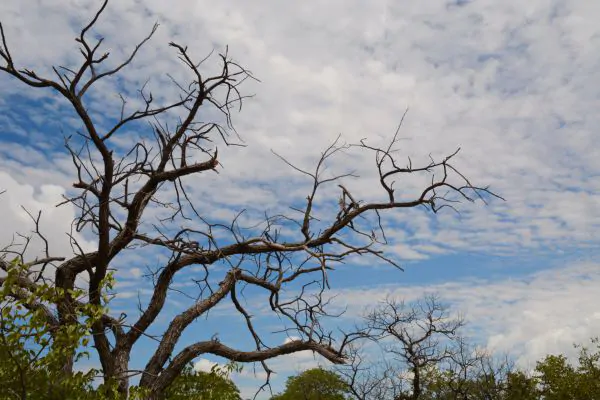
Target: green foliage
[(198, 385), (554, 378), (520, 386), (314, 384), (589, 370), (559, 380), (32, 349)]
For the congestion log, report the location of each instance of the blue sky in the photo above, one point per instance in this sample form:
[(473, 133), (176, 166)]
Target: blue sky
[(514, 84)]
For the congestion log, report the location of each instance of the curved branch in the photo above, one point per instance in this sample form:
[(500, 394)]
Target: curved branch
[(179, 323), (217, 348)]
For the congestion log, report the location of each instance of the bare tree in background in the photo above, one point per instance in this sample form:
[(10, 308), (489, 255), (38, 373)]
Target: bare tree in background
[(424, 356), (113, 190), (415, 339), (474, 373), (368, 379)]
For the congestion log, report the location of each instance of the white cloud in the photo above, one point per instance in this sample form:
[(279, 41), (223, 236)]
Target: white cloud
[(204, 365), (291, 339), (55, 222), (511, 85)]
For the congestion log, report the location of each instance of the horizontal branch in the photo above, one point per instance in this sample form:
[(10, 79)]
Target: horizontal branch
[(216, 348)]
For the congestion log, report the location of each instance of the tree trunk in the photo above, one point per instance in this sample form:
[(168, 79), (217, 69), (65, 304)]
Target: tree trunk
[(116, 373)]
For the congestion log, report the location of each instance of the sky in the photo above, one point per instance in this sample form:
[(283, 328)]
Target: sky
[(513, 84)]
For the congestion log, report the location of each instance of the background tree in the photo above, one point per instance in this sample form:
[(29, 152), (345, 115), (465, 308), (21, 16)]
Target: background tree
[(589, 368), (559, 379), (520, 386), (472, 373), (314, 384), (200, 385), (417, 337), (114, 188), (424, 356), (369, 379)]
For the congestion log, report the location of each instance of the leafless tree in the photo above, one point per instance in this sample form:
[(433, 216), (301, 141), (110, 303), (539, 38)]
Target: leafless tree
[(113, 190), (368, 379), (417, 337), (424, 356), (474, 373)]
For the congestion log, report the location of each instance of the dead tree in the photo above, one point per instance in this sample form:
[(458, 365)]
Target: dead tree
[(423, 356), (474, 373), (417, 338), (368, 379), (114, 189)]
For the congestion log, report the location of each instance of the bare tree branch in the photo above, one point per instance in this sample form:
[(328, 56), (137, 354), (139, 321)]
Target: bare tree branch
[(420, 336)]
